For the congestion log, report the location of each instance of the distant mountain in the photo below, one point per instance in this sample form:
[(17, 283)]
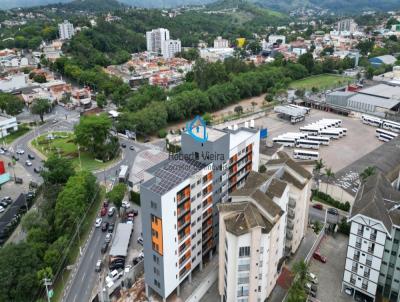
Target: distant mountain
[(94, 5), (7, 4)]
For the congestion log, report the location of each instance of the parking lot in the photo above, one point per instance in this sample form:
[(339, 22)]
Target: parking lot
[(359, 141), (330, 274)]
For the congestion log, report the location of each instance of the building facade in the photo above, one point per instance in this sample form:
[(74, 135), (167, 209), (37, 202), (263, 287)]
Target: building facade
[(372, 267), (66, 30), (8, 124), (155, 39), (221, 43), (170, 47), (347, 25)]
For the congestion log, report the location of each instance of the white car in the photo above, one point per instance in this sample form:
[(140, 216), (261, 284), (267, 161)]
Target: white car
[(2, 151), (312, 277), (141, 256), (28, 163), (128, 268), (140, 240), (126, 204), (108, 238), (1, 209), (20, 151), (98, 222)]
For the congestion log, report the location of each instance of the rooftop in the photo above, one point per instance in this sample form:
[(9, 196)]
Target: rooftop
[(382, 102), (377, 199), (382, 90), (121, 239), (171, 172)]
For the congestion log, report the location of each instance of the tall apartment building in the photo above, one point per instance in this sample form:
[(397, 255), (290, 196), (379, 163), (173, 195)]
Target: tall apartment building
[(221, 43), (347, 25), (170, 47), (372, 266), (256, 232), (155, 39), (66, 30), (179, 213)]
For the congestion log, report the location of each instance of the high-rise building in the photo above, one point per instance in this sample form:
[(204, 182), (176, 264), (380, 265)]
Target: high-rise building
[(264, 222), (179, 213), (170, 47), (372, 266), (221, 43), (66, 30), (347, 25), (155, 39)]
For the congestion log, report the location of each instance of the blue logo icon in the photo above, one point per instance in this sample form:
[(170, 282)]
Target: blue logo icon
[(197, 129)]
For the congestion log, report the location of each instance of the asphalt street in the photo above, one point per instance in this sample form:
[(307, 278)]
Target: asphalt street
[(319, 215)]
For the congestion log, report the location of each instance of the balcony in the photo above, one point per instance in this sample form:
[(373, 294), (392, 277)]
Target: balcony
[(368, 262), (354, 269), (292, 203), (207, 178), (290, 225), (207, 190), (183, 195), (360, 232), (366, 274), (289, 235), (206, 225), (184, 234), (371, 250), (372, 237), (358, 245), (207, 202), (243, 280), (291, 214), (183, 209), (242, 293), (183, 272), (356, 257), (207, 214), (184, 259), (208, 246), (183, 221), (352, 281), (207, 236), (364, 286), (244, 267)]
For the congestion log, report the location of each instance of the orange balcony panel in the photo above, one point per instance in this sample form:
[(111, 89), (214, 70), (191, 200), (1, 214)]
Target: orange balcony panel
[(156, 238)]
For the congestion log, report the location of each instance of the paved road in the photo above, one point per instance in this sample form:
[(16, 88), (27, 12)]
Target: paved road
[(315, 214), (85, 277)]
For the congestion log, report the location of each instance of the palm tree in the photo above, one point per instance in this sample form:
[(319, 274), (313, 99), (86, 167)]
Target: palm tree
[(301, 271), (329, 174), (319, 165), (368, 171)]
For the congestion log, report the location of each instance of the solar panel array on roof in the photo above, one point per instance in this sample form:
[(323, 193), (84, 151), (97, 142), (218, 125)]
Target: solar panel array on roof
[(174, 172)]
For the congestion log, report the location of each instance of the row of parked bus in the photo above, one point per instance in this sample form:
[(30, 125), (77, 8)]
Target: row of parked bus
[(380, 123)]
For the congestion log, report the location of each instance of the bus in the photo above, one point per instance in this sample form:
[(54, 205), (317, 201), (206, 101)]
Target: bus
[(384, 137), (306, 109), (372, 121), (294, 134), (321, 139), (335, 122), (389, 125), (285, 141), (296, 119), (343, 130), (305, 143), (310, 130), (123, 173), (329, 133), (385, 132), (305, 154)]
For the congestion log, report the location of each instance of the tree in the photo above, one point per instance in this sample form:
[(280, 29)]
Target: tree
[(238, 110), (116, 195), (319, 165), (329, 174), (207, 118), (101, 100), (11, 104), (41, 107), (307, 61), (300, 93), (57, 170), (301, 270), (317, 227), (39, 78), (368, 171), (296, 293)]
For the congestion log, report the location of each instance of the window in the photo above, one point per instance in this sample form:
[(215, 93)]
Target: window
[(156, 259), (198, 207), (153, 205), (395, 280), (384, 262), (193, 211), (199, 181), (198, 231), (193, 223), (386, 251), (193, 186), (395, 241), (393, 253), (198, 194), (244, 251)]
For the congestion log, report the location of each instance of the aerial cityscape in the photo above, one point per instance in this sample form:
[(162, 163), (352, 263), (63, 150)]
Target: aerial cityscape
[(199, 151)]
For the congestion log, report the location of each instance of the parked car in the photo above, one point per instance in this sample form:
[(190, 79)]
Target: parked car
[(20, 151), (19, 180), (311, 287), (99, 264), (105, 204), (30, 156), (103, 212), (132, 148), (140, 240), (108, 238), (123, 145), (312, 278), (319, 257), (98, 222), (126, 204), (8, 199), (104, 248), (333, 211), (349, 291), (111, 211), (16, 158), (114, 275), (128, 268), (1, 209), (318, 206), (2, 151), (37, 170), (104, 226), (141, 256), (111, 227), (3, 204)]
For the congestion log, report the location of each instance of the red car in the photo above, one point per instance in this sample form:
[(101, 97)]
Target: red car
[(103, 212), (105, 204), (318, 206), (319, 257)]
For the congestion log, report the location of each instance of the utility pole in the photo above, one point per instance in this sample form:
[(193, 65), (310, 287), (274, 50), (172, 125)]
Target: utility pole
[(47, 283)]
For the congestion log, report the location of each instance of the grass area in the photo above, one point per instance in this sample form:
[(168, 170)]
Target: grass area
[(321, 82), (73, 254), (63, 144), (22, 129)]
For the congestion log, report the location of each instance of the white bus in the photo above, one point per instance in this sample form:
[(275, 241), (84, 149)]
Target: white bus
[(343, 130), (285, 141), (335, 122), (305, 143), (294, 134), (372, 121), (305, 154), (385, 132), (384, 137), (296, 119), (329, 133), (310, 130), (320, 139), (306, 109), (389, 125)]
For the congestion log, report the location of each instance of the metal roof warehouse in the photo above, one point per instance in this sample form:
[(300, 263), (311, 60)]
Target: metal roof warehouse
[(121, 240)]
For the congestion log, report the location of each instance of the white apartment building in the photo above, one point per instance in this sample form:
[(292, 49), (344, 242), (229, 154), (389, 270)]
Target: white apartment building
[(8, 124), (372, 266), (252, 240), (170, 47), (272, 39), (347, 25), (267, 218), (155, 39), (66, 30), (221, 43)]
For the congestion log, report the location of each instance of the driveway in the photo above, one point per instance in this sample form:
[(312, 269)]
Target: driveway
[(330, 274)]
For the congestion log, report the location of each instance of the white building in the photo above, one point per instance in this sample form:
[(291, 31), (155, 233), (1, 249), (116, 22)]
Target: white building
[(66, 30), (14, 82), (216, 54), (347, 25), (372, 266), (8, 124), (170, 47), (272, 39), (221, 43), (155, 39)]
